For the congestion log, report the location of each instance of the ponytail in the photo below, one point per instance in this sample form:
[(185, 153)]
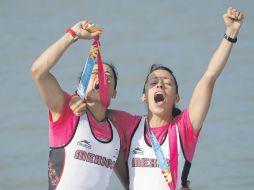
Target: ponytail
[(176, 111)]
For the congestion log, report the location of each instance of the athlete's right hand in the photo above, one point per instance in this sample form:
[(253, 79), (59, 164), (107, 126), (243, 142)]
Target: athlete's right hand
[(81, 30), (77, 105)]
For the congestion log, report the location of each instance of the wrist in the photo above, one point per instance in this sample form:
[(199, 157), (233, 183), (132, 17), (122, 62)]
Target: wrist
[(231, 33), (72, 34), (228, 38)]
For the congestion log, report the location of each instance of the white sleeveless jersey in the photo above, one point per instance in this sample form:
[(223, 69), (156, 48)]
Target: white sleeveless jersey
[(144, 172), (85, 163)]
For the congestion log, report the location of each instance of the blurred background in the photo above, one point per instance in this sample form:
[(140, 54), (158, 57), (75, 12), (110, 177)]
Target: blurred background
[(180, 34)]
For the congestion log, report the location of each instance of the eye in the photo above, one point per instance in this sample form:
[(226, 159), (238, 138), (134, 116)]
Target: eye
[(168, 82), (109, 76), (153, 82)]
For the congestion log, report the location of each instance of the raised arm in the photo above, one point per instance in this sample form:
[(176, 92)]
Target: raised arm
[(48, 87), (201, 98)]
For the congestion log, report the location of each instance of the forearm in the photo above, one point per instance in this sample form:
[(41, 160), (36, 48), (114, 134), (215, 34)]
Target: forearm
[(233, 21), (120, 170), (218, 60), (50, 57), (202, 95)]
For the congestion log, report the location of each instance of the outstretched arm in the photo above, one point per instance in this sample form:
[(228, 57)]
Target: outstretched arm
[(48, 87), (201, 98)]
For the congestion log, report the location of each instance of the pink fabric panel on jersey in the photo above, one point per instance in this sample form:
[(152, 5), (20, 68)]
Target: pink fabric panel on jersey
[(127, 123), (188, 138), (62, 130)]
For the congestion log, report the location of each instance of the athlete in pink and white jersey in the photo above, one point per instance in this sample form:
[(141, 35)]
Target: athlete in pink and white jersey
[(176, 131), (84, 150)]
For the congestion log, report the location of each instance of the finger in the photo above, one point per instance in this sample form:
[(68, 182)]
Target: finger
[(94, 28), (73, 100), (229, 11), (230, 16), (81, 112), (237, 14), (78, 113), (95, 34), (80, 109), (241, 16), (233, 10), (74, 103), (85, 25)]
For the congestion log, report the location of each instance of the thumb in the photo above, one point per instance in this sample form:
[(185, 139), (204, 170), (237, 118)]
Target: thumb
[(96, 34)]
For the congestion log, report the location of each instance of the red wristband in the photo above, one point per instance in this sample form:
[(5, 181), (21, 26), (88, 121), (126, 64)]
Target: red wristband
[(72, 33)]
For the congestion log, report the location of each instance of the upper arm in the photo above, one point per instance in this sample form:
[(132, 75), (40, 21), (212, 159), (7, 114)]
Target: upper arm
[(51, 94), (200, 102)]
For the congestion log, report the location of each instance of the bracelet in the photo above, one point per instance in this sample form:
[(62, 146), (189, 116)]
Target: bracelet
[(228, 38), (73, 34)]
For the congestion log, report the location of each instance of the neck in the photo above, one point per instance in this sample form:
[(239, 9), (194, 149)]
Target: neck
[(157, 121), (97, 110)]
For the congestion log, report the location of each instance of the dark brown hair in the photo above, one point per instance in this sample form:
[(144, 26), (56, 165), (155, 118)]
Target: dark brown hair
[(154, 67), (112, 67)]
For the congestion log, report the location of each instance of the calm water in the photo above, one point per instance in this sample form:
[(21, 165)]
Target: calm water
[(180, 34)]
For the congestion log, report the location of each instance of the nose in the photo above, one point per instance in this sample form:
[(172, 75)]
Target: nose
[(160, 84)]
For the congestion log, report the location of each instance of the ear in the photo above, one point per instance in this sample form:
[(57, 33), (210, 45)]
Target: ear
[(177, 99), (114, 94), (143, 97)]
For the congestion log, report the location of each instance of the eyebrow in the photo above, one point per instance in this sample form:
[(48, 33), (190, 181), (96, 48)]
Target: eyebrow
[(153, 78), (96, 71)]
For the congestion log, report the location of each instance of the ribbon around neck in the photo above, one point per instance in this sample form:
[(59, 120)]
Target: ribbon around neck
[(163, 165), (103, 85), (94, 54)]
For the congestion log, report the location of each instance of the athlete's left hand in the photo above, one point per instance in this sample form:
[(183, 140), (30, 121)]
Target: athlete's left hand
[(233, 20), (77, 106), (82, 30)]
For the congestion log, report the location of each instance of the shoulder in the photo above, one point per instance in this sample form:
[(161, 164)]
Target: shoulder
[(62, 129), (184, 124), (123, 119), (119, 115), (183, 117), (187, 135)]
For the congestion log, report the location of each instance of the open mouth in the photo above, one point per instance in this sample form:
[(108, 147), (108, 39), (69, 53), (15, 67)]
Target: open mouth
[(96, 86), (159, 97)]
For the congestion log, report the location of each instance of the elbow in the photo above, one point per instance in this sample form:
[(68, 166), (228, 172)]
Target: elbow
[(35, 72), (209, 79)]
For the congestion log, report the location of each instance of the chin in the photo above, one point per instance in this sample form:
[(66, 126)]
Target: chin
[(157, 111)]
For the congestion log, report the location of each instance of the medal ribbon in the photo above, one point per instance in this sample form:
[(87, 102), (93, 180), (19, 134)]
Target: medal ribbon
[(163, 164), (94, 54)]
